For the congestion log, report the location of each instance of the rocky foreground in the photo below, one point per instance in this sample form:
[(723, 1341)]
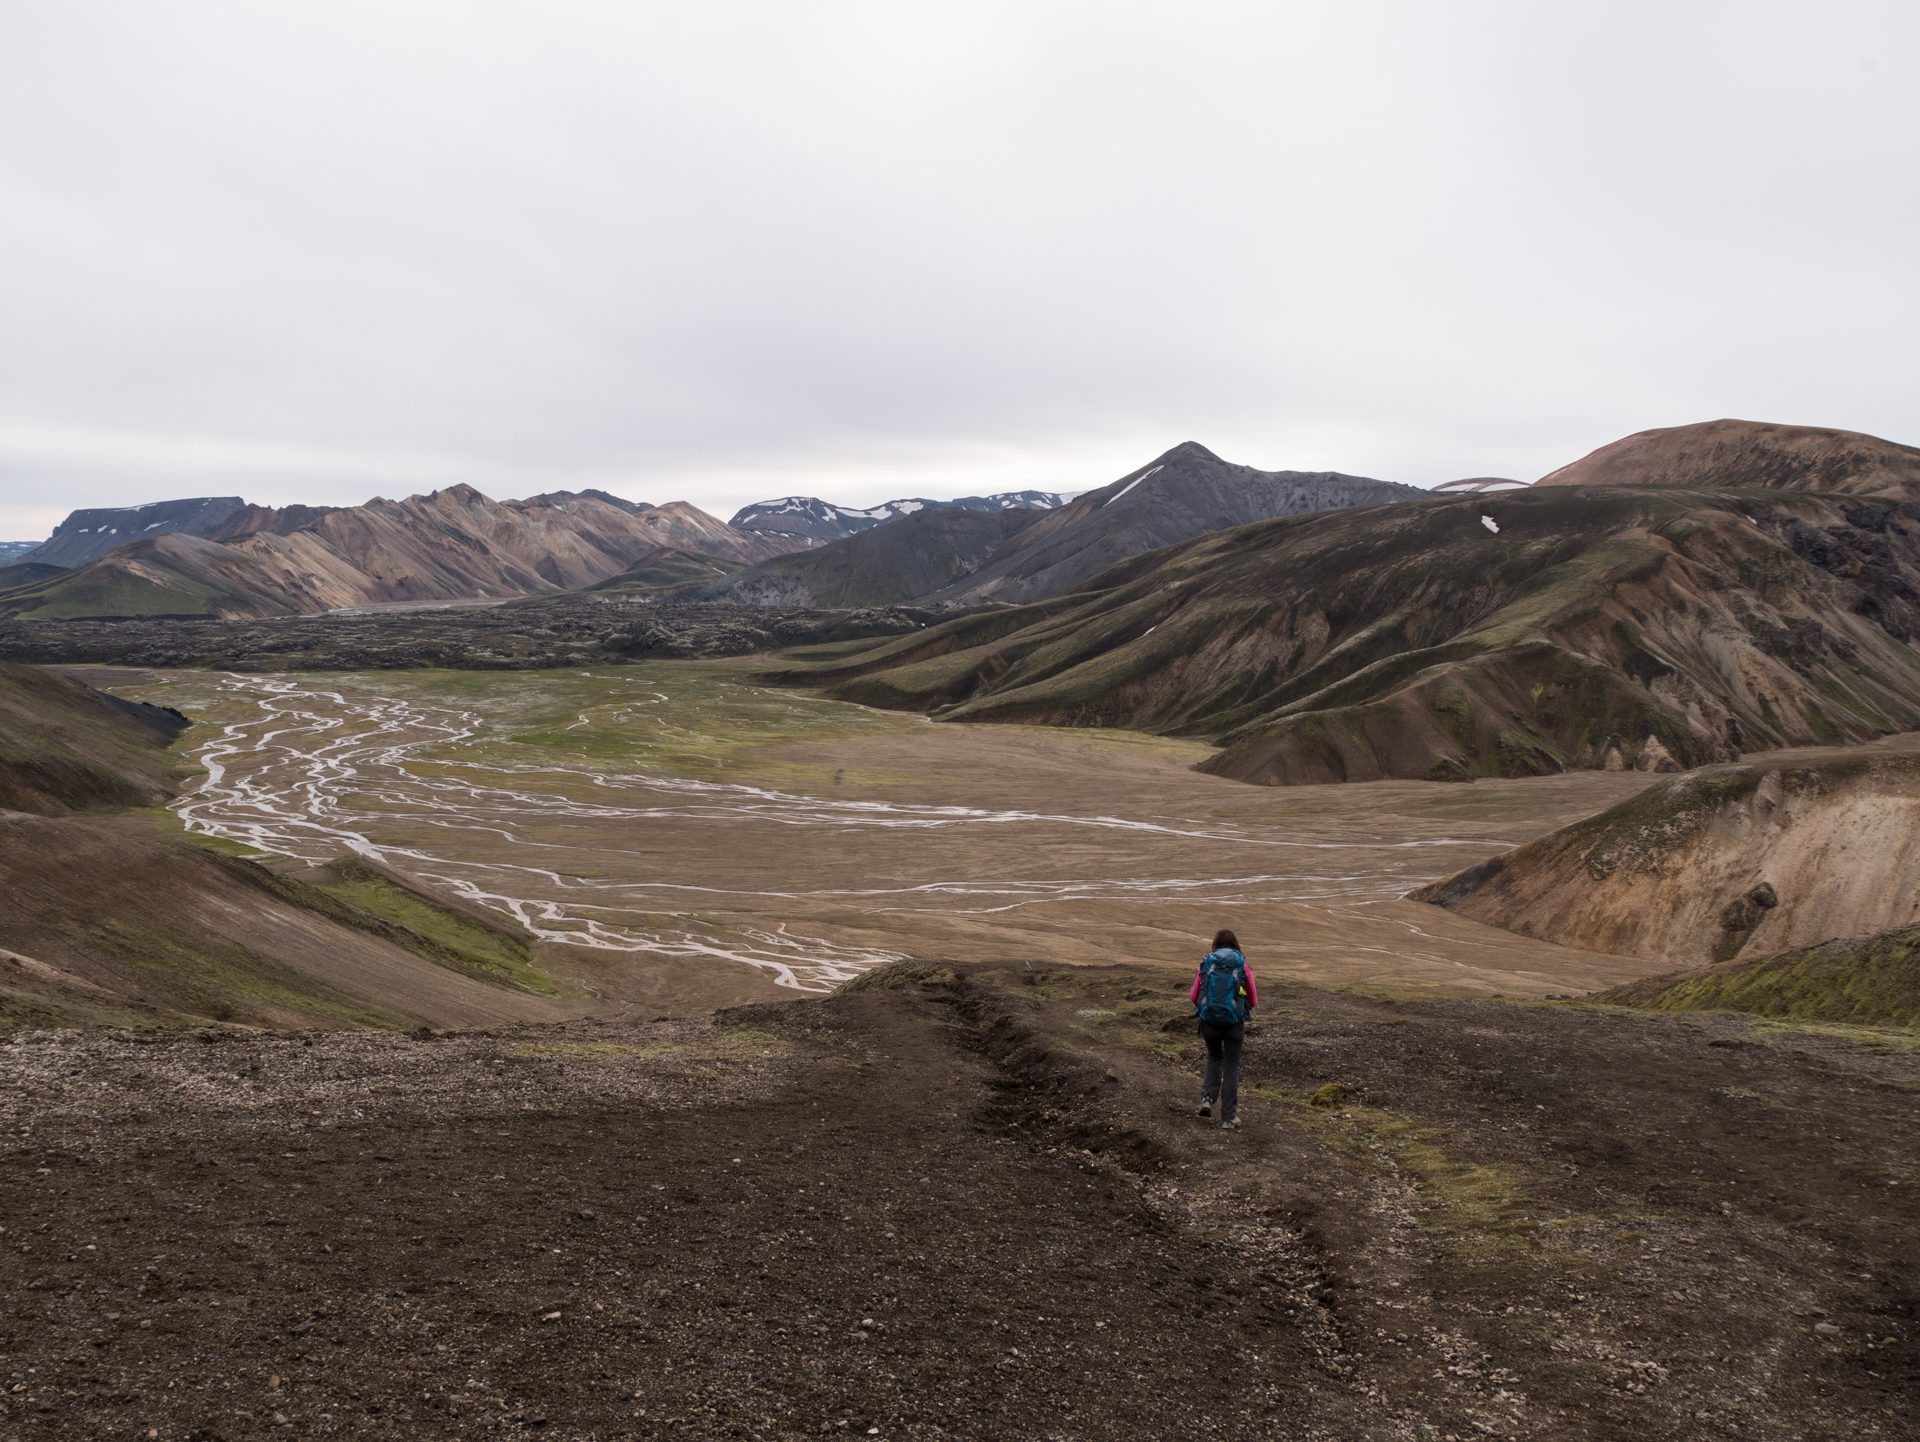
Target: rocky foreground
[(966, 1206)]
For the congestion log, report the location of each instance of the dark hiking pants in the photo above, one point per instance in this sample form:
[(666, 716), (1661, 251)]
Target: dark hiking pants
[(1222, 1078)]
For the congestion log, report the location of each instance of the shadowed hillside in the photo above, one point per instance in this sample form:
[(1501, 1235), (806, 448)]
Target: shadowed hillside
[(1446, 638), (1751, 454), (65, 747), (882, 566)]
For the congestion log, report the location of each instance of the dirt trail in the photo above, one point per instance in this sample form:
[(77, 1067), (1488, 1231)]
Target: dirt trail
[(976, 1208)]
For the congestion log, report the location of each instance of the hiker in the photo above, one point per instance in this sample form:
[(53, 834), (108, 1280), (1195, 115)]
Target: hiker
[(1223, 997)]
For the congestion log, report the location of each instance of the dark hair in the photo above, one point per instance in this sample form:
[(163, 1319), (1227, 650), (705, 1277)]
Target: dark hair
[(1225, 938)]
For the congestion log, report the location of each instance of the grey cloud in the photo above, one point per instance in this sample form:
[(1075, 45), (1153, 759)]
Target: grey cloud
[(318, 251)]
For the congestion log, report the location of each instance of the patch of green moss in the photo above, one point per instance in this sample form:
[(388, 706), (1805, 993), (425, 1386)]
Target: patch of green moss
[(594, 1051), (1479, 1211), (1455, 711), (1859, 981), (369, 900), (230, 982), (895, 975)]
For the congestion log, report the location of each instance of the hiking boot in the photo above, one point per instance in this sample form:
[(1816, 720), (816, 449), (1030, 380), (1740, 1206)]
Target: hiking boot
[(1231, 1124), (1206, 1107)]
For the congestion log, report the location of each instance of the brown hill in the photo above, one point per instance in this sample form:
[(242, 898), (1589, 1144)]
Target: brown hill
[(114, 919), (1452, 637), (65, 747), (1750, 455), (119, 918), (450, 545), (1751, 859)]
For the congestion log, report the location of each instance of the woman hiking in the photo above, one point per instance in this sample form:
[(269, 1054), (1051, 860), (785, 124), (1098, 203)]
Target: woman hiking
[(1223, 997)]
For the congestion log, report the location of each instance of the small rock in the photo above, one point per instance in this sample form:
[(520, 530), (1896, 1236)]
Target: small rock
[(551, 1317), (1825, 1329)]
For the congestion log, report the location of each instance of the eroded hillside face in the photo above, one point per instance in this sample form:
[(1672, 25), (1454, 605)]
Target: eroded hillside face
[(1737, 863), (1514, 635)]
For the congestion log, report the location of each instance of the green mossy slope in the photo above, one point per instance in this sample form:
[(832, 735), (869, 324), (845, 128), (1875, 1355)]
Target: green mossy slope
[(388, 906), (1859, 980)]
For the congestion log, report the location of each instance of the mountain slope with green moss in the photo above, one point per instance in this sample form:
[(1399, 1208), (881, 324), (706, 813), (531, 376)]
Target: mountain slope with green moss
[(1853, 981)]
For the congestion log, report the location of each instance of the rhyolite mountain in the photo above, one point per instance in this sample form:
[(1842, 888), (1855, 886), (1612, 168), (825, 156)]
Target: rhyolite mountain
[(452, 544), (1742, 860), (86, 534), (884, 565), (1188, 491), (815, 522), (1751, 454), (1513, 634)]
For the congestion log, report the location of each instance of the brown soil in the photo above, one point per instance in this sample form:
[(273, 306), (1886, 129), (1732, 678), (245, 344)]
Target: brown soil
[(978, 1207)]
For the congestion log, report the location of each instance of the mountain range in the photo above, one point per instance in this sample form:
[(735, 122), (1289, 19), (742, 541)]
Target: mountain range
[(966, 557), (453, 544), (816, 522), (1652, 627), (220, 556)]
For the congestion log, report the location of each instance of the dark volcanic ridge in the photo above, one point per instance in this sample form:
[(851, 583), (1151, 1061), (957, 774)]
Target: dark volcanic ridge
[(90, 533), (520, 636), (65, 747)]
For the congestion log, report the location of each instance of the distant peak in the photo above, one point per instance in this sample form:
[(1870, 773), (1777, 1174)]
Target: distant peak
[(1186, 450)]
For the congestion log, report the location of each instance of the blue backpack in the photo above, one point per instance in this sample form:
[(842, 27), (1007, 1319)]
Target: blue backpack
[(1223, 989)]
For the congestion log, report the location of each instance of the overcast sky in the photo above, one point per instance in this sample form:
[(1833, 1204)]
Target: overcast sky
[(723, 252)]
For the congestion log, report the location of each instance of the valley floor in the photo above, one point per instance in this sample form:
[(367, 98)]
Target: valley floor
[(967, 1203), (674, 837)]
